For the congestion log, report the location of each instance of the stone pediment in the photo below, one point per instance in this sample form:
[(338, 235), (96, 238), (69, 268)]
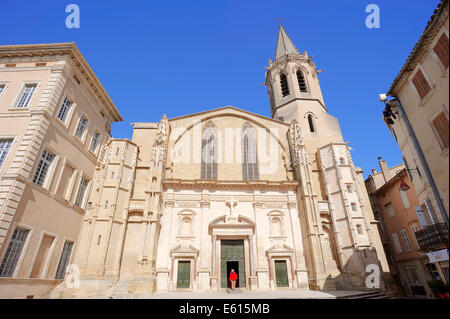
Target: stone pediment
[(240, 221), (276, 249), (184, 249)]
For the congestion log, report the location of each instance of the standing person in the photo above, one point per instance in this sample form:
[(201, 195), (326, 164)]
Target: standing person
[(233, 278)]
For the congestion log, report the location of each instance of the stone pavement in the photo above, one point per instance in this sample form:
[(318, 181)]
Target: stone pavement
[(243, 294)]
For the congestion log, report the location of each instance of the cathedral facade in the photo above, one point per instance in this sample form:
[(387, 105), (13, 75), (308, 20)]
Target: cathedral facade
[(277, 199)]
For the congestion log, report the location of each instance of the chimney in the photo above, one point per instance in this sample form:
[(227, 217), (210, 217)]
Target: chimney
[(374, 171), (384, 169)]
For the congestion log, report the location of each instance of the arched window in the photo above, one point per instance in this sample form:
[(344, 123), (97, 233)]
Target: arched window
[(249, 154), (301, 81), (209, 152), (284, 85), (312, 126)]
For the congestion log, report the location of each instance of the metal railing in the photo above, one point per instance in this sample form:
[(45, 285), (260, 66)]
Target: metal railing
[(433, 236)]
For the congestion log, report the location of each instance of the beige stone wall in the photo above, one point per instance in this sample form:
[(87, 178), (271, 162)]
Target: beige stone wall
[(421, 113), (48, 211)]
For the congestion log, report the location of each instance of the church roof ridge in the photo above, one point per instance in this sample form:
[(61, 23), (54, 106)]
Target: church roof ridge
[(231, 108)]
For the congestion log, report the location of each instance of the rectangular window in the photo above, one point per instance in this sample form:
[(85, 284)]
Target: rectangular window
[(359, 229), (26, 95), (421, 83), (4, 149), (64, 260), (398, 247), (13, 252), (405, 200), (64, 110), (2, 87), (341, 160), (440, 124), (406, 240), (415, 229), (81, 191), (441, 50), (82, 124), (42, 169), (390, 210), (349, 188), (354, 207), (95, 141)]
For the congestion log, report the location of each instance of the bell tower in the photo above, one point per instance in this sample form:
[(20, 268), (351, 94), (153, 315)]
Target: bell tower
[(294, 93), (292, 81)]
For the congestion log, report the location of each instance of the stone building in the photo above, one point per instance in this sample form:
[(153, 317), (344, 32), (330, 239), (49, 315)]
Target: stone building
[(55, 119), (394, 208), (417, 114), (186, 199)]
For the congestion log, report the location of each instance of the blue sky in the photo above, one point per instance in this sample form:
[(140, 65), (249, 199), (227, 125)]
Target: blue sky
[(180, 57)]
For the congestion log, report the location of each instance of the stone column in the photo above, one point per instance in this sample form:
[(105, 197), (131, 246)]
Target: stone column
[(253, 278), (214, 264), (270, 273)]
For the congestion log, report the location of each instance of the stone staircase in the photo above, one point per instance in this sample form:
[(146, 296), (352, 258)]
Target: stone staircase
[(379, 294)]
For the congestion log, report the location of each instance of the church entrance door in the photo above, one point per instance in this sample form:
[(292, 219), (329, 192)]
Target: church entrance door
[(184, 274), (281, 273), (232, 257)]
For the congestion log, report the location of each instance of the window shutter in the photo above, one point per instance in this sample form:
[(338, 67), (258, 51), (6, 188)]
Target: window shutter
[(421, 84), (441, 50), (440, 123)]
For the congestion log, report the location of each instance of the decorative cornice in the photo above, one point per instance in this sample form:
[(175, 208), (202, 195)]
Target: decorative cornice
[(70, 50), (198, 183)]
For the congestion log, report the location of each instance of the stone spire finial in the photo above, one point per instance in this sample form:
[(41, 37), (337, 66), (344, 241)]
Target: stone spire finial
[(284, 44)]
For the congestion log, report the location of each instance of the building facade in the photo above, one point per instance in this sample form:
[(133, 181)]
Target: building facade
[(277, 199), (417, 116), (394, 208), (55, 118)]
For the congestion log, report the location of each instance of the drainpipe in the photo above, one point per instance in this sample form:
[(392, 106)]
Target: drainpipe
[(421, 156)]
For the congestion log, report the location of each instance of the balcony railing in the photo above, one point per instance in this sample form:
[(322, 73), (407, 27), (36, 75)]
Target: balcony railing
[(433, 236)]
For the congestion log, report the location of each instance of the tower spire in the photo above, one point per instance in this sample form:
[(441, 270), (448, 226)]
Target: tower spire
[(284, 44)]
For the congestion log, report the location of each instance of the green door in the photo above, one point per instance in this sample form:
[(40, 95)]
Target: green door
[(184, 274), (281, 273), (232, 251)]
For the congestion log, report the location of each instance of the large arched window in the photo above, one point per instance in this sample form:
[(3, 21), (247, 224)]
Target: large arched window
[(284, 85), (209, 152), (301, 81), (312, 126), (249, 154)]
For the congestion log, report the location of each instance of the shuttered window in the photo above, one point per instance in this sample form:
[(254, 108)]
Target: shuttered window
[(13, 252), (42, 168), (64, 110), (421, 83), (81, 127), (440, 124), (26, 95), (284, 85), (81, 191), (406, 240), (441, 50), (301, 82), (397, 245), (95, 141), (4, 149), (64, 260)]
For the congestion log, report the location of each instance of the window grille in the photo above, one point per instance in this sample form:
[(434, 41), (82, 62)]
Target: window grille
[(43, 167)]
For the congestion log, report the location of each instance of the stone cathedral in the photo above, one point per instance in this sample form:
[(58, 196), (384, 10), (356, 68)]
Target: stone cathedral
[(188, 198)]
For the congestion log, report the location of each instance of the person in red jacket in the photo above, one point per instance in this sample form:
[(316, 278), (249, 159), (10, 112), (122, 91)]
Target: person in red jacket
[(233, 278)]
